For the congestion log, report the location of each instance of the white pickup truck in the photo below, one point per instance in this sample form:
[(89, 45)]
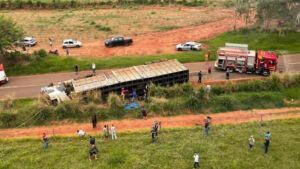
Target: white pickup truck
[(3, 77)]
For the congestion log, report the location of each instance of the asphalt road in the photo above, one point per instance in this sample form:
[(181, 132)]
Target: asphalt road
[(29, 86)]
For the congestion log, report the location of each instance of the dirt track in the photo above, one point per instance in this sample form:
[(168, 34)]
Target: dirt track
[(167, 122), (153, 43)]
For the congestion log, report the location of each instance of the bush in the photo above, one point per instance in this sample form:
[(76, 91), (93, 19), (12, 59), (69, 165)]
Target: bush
[(7, 102), (223, 103), (114, 101), (193, 103), (217, 90), (41, 53), (94, 96), (102, 28), (273, 83), (7, 118)]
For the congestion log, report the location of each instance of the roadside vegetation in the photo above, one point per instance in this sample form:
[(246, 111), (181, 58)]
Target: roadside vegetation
[(226, 147), (266, 40), (276, 91)]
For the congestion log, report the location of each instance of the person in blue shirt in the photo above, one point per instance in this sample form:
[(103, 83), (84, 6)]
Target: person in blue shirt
[(267, 141), (134, 96)]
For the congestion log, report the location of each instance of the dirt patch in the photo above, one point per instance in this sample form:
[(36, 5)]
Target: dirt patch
[(154, 30), (167, 122)]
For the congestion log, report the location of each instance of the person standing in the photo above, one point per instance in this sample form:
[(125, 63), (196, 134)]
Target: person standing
[(123, 93), (134, 96), (93, 151), (196, 160), (67, 51), (251, 142), (50, 43), (206, 125), (144, 113), (153, 134), (81, 133), (45, 139), (113, 132), (155, 127), (24, 49), (76, 68), (267, 141), (199, 77), (92, 140), (105, 132), (209, 69), (94, 120), (227, 74), (94, 68)]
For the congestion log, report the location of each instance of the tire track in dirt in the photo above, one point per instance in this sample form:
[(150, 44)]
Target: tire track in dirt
[(167, 122)]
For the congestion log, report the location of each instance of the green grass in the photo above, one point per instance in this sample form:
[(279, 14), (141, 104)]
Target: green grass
[(266, 41), (226, 147), (165, 28)]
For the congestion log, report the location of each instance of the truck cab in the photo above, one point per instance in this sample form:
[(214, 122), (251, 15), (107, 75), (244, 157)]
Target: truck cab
[(266, 62), (3, 77)]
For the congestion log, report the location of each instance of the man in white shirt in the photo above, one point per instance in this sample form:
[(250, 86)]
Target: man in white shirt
[(113, 132), (94, 68), (196, 160), (81, 133)]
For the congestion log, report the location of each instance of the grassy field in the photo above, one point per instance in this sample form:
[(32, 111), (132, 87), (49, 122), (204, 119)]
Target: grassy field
[(257, 40), (226, 147), (83, 24)]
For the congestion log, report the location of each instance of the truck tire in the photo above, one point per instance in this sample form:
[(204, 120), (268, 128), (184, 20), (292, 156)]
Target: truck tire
[(266, 72), (230, 69), (77, 46)]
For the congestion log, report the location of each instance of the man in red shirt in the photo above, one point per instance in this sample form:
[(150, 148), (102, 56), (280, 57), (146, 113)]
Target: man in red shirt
[(45, 139), (123, 93)]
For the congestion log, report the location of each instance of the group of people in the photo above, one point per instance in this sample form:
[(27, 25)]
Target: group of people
[(76, 69), (106, 132), (200, 75), (266, 143)]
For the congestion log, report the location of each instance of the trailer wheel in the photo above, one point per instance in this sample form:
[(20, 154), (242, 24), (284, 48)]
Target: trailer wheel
[(54, 102)]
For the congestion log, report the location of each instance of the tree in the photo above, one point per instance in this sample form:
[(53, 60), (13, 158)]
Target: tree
[(9, 33), (242, 8)]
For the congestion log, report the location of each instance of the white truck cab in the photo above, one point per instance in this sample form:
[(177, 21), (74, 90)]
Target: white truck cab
[(3, 77)]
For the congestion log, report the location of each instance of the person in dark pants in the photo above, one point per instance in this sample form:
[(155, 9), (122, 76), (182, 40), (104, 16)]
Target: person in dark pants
[(76, 68), (209, 69), (67, 51), (156, 127), (267, 141), (94, 120), (199, 77), (153, 134), (206, 125), (144, 113), (45, 139), (227, 74), (196, 160)]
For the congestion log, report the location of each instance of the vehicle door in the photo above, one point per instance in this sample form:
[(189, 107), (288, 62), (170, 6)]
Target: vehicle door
[(186, 47), (71, 44), (120, 41)]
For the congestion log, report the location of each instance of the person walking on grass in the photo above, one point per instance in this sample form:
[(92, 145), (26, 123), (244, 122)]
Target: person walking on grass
[(113, 132), (267, 141), (199, 77), (93, 151), (94, 120), (105, 132), (153, 134), (196, 160), (206, 125), (45, 139), (94, 68), (251, 142), (76, 69)]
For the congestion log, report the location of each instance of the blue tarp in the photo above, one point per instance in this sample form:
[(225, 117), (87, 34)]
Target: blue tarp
[(133, 105)]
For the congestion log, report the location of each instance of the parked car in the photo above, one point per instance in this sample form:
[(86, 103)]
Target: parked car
[(118, 41), (70, 43), (3, 77), (188, 46), (27, 41)]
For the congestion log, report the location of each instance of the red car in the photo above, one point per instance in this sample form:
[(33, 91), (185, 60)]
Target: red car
[(3, 77)]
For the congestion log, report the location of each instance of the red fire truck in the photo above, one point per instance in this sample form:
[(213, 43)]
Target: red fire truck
[(3, 77), (237, 57)]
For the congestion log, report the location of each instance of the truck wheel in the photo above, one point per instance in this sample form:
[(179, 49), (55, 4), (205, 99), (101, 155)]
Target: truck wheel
[(110, 45), (54, 102), (77, 46), (230, 69), (266, 73)]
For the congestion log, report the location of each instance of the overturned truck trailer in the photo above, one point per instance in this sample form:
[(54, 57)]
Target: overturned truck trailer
[(135, 78)]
